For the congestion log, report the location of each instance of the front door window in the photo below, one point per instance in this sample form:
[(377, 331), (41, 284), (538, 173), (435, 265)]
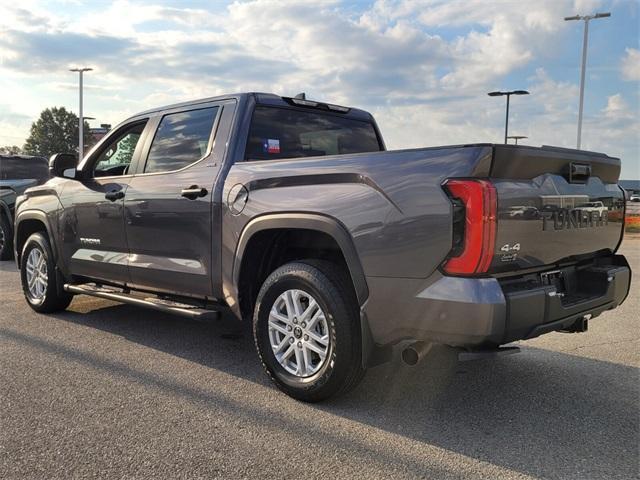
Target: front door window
[(115, 157)]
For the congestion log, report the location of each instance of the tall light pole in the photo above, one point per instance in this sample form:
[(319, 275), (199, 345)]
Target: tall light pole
[(508, 94), (586, 19), (80, 117)]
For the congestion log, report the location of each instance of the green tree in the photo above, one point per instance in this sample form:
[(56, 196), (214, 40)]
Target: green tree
[(127, 146), (56, 131), (10, 150)]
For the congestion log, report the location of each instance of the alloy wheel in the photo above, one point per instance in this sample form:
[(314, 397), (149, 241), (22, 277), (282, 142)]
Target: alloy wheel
[(298, 333), (36, 270)]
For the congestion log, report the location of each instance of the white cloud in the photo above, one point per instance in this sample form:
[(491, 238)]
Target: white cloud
[(586, 7), (631, 65), (548, 116), (617, 108), (501, 37), (426, 85)]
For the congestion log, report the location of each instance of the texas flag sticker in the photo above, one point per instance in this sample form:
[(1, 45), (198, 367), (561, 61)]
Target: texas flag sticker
[(271, 145)]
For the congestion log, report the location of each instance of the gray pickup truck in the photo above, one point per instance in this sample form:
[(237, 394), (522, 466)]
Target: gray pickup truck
[(290, 214)]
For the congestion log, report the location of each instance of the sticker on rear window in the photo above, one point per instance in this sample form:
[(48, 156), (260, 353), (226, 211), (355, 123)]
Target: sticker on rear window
[(271, 145)]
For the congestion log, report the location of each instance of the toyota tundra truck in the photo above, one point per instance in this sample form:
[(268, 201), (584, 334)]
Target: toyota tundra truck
[(291, 214)]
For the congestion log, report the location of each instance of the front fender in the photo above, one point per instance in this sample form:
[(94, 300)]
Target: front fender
[(39, 216)]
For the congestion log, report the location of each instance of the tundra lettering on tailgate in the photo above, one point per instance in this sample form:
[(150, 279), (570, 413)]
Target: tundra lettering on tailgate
[(565, 219)]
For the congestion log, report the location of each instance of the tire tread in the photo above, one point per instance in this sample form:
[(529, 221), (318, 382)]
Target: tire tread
[(328, 277), (56, 299)]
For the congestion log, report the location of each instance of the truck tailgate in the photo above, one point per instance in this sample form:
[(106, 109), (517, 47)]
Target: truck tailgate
[(554, 205)]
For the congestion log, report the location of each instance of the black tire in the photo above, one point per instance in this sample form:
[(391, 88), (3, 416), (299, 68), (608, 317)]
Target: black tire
[(6, 239), (342, 369), (54, 299)]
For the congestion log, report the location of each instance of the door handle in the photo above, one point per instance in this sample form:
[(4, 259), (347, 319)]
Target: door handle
[(193, 192), (114, 195)]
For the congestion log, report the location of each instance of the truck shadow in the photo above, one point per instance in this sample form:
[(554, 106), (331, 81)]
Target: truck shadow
[(542, 413)]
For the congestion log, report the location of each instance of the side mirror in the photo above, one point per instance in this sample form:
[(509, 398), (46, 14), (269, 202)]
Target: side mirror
[(63, 165)]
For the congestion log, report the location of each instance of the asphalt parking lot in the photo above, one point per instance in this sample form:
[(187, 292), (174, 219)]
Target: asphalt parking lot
[(112, 391)]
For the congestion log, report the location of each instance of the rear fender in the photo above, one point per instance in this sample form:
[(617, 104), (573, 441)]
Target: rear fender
[(320, 223)]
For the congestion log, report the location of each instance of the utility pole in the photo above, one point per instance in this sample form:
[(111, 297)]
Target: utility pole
[(585, 40), (80, 117)]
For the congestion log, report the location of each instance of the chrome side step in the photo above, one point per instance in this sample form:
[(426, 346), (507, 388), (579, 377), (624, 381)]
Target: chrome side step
[(182, 309)]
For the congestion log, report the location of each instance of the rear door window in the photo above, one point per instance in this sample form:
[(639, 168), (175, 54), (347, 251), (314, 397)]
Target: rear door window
[(181, 139), (287, 133)]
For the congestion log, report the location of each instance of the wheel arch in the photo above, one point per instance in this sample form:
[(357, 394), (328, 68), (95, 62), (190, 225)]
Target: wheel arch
[(28, 223), (309, 222), (320, 224)]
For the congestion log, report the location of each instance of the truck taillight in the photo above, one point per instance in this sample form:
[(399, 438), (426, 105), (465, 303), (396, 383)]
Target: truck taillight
[(475, 253)]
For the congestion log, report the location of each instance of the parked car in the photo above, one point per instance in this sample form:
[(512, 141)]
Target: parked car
[(290, 214), (634, 197), (17, 173), (522, 211), (592, 207)]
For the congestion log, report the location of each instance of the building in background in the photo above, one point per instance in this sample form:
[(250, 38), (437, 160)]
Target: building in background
[(631, 186), (96, 134)]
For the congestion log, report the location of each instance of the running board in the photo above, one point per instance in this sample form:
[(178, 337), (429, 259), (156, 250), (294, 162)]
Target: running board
[(168, 306)]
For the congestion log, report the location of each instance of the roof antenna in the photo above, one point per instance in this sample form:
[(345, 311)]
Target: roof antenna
[(301, 96)]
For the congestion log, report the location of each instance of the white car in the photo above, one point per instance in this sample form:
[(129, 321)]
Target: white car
[(634, 197), (593, 207)]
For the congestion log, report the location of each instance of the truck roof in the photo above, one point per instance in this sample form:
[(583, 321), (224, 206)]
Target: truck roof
[(260, 98)]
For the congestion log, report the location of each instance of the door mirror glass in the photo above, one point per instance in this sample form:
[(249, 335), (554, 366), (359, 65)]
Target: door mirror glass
[(63, 165)]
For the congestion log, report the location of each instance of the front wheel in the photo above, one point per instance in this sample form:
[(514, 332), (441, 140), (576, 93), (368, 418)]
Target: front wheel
[(40, 282), (307, 332)]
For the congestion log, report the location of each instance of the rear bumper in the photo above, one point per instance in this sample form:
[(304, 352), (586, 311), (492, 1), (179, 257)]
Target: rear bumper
[(472, 312), (541, 310)]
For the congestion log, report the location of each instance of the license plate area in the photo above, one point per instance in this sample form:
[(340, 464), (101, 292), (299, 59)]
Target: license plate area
[(555, 278)]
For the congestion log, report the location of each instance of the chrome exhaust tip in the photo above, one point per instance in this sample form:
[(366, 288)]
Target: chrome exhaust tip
[(414, 353)]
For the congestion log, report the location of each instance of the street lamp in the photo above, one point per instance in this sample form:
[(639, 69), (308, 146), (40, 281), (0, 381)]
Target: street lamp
[(80, 117), (508, 94), (586, 19), (517, 137)]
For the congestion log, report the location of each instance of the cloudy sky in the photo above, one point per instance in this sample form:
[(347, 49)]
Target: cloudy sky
[(422, 67)]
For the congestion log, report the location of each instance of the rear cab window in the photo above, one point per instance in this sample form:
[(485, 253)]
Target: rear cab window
[(278, 132)]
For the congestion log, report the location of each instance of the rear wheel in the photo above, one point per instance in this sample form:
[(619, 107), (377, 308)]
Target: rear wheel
[(6, 242), (307, 332), (40, 282)]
